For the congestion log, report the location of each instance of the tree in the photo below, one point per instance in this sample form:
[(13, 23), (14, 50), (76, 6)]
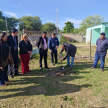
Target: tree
[(90, 21), (2, 25), (12, 23), (69, 28), (30, 23), (1, 16), (49, 27)]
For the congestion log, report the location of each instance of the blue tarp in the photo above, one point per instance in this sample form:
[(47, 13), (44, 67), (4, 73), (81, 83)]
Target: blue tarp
[(36, 50)]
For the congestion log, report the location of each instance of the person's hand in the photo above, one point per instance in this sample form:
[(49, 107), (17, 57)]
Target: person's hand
[(50, 51), (29, 52), (56, 47)]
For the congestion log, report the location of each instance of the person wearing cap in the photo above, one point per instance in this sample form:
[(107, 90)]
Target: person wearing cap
[(42, 44), (101, 51), (70, 50), (12, 41), (53, 44)]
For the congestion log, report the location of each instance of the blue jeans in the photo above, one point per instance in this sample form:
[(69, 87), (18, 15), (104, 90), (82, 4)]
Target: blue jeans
[(102, 59), (68, 61)]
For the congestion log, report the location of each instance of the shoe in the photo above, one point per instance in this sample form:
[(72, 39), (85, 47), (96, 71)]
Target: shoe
[(93, 68), (102, 70), (53, 64), (47, 68), (4, 85), (11, 76), (40, 68), (67, 65), (56, 63), (17, 74), (71, 68)]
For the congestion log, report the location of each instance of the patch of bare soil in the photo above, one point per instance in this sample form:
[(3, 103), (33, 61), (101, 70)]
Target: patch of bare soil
[(60, 72)]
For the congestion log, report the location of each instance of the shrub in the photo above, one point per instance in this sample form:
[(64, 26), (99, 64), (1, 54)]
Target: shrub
[(63, 40)]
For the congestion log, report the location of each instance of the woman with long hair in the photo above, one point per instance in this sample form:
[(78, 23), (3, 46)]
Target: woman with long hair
[(4, 54), (25, 52)]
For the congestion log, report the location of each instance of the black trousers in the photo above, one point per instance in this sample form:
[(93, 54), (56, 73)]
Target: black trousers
[(15, 59), (54, 52), (43, 53)]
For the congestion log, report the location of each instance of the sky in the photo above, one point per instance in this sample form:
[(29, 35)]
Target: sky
[(68, 10)]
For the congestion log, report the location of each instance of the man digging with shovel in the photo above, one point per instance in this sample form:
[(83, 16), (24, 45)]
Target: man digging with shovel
[(70, 52)]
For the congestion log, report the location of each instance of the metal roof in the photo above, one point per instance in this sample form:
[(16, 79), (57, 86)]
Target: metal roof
[(97, 25)]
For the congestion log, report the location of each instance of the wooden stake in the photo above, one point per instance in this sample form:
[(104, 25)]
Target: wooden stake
[(90, 45)]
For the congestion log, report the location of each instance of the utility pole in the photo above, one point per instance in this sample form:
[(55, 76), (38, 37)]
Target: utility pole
[(23, 28), (57, 20), (6, 24)]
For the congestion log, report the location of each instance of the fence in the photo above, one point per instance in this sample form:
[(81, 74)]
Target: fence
[(76, 37)]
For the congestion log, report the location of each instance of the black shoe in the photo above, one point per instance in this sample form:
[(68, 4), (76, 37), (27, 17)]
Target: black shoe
[(56, 63), (40, 68), (47, 68), (11, 76), (17, 74)]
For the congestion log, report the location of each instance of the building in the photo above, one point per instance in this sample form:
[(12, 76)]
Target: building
[(96, 30)]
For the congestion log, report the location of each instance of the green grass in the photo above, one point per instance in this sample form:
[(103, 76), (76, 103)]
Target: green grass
[(88, 89)]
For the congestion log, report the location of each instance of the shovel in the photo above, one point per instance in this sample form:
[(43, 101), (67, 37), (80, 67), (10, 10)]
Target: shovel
[(62, 68)]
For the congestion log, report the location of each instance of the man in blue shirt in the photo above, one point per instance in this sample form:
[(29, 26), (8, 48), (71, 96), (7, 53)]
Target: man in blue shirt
[(101, 51), (53, 44)]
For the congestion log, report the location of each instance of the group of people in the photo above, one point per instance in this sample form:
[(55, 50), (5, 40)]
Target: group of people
[(9, 53)]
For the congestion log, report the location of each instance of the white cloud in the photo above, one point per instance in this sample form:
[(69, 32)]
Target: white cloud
[(11, 14), (77, 22), (72, 20), (28, 14), (62, 22)]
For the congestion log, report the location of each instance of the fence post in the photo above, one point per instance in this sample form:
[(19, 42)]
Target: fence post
[(90, 45)]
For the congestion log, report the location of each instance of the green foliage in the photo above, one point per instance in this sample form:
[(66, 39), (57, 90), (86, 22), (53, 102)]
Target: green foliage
[(2, 25), (63, 40), (31, 23), (12, 23), (49, 27), (1, 16), (90, 21), (69, 28), (35, 56)]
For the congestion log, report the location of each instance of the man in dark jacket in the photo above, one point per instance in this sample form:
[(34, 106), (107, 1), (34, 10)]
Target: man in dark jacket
[(12, 41), (70, 51), (43, 49), (101, 51), (53, 44)]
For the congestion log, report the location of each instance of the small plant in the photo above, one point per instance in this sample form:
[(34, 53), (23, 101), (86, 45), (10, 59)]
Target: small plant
[(70, 99), (35, 56), (63, 40)]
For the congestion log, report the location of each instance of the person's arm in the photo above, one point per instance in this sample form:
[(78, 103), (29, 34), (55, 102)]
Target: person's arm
[(8, 40), (21, 46), (38, 42), (31, 48), (0, 51), (49, 44), (57, 42), (61, 51), (65, 55)]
